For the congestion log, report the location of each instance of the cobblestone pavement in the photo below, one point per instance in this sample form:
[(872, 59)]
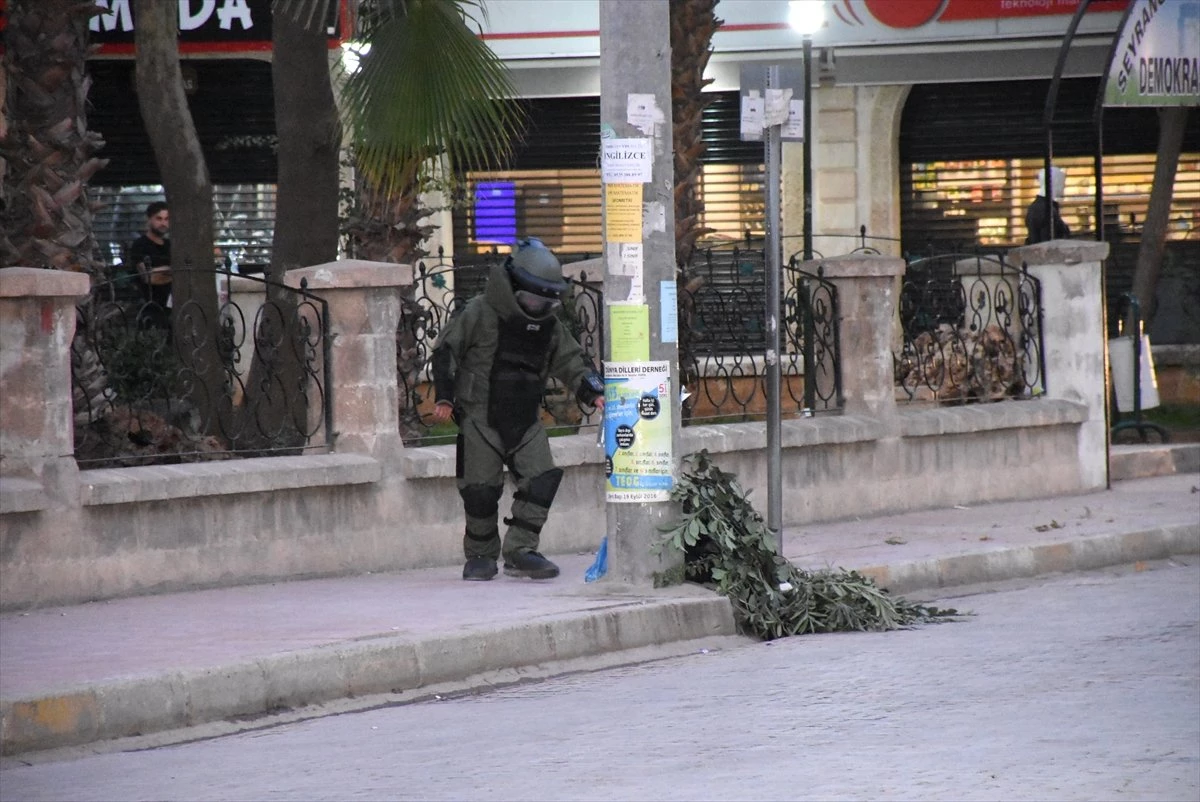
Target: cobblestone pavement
[(1079, 687)]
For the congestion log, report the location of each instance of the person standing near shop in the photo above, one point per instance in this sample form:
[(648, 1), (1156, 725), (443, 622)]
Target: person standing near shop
[(150, 256), (1035, 217), (490, 366)]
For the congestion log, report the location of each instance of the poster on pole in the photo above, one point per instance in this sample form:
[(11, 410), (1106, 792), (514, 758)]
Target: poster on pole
[(638, 460)]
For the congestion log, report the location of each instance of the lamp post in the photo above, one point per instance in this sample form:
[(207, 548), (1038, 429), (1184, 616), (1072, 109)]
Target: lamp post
[(806, 17)]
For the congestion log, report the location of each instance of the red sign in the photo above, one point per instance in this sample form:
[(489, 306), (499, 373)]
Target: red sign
[(902, 14)]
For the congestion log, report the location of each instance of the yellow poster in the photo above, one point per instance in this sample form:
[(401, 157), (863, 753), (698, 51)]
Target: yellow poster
[(630, 327), (623, 212)]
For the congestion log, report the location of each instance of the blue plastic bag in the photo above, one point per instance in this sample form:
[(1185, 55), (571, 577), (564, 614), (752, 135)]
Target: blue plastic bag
[(600, 566)]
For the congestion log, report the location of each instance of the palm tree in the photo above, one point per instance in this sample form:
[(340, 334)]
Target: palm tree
[(693, 23), (48, 151), (49, 157), (426, 91)]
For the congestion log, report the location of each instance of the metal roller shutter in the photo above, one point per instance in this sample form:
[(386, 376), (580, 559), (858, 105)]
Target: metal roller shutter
[(553, 190), (233, 109), (970, 155)]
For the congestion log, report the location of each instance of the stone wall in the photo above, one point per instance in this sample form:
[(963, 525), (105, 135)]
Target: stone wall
[(373, 505)]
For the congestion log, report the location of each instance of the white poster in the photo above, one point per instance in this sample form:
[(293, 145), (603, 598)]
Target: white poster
[(626, 161)]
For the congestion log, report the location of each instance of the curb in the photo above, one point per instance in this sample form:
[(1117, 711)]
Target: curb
[(396, 665), (136, 706), (1160, 459), (1024, 562)]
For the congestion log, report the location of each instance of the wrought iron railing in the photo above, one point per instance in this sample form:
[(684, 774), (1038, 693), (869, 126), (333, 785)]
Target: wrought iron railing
[(970, 331), (721, 330), (158, 384), (722, 348)]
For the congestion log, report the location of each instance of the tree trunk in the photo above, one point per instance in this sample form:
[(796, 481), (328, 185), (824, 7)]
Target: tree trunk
[(184, 174), (306, 212), (1171, 123), (46, 160), (46, 150), (693, 23)]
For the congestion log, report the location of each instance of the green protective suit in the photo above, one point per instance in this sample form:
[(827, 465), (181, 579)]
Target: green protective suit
[(491, 362)]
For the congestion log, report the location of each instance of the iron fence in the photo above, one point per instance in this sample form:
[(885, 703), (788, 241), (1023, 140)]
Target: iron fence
[(722, 338), (158, 384), (970, 330), (721, 331)]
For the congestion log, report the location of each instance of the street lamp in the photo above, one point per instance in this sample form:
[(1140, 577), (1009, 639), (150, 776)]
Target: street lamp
[(806, 17)]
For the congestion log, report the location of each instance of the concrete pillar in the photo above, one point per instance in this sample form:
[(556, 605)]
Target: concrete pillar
[(867, 298), (364, 309), (1073, 338), (37, 324)]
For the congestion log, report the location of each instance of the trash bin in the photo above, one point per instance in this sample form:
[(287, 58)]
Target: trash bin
[(1123, 353)]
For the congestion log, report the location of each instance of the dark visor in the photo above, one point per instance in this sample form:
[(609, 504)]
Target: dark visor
[(531, 283)]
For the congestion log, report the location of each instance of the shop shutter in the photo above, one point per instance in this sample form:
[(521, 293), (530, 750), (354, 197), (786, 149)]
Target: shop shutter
[(243, 221), (233, 110), (553, 191), (970, 156)]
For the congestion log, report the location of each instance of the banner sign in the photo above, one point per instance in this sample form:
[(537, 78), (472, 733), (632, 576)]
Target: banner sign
[(529, 29), (1156, 56), (206, 26), (638, 461)]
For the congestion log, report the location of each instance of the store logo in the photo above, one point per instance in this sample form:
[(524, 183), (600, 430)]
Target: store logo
[(906, 14), (903, 14)]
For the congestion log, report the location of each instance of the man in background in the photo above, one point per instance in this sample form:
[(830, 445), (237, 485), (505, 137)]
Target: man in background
[(1037, 221), (150, 256)]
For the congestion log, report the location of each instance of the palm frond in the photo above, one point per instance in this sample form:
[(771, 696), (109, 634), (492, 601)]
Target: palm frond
[(429, 86)]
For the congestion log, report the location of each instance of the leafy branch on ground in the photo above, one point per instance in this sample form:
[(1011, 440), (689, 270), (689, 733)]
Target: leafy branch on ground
[(727, 544)]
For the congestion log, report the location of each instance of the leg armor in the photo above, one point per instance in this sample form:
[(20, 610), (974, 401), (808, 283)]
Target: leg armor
[(531, 507), (481, 504)]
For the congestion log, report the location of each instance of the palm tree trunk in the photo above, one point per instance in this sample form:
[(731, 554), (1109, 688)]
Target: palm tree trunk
[(184, 174), (693, 23), (47, 157)]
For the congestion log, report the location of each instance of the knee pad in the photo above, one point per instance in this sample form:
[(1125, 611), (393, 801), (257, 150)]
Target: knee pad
[(481, 501), (542, 488)]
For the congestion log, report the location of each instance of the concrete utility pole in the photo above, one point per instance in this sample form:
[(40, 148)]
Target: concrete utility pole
[(641, 420)]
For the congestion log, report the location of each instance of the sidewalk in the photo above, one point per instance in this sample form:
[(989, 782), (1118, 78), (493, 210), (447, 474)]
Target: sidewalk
[(79, 674)]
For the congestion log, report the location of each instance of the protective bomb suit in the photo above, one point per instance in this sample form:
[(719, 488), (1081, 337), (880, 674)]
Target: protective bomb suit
[(490, 365)]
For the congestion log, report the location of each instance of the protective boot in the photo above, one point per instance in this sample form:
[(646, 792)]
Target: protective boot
[(479, 569), (529, 564)]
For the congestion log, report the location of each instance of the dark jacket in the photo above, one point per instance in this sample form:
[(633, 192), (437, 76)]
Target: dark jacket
[(1035, 223)]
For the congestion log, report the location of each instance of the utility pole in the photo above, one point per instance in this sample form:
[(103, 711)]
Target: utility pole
[(642, 394)]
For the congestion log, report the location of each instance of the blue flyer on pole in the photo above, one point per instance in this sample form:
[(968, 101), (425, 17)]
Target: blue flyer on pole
[(637, 431)]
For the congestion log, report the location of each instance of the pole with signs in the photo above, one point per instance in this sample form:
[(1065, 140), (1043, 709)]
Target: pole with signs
[(641, 373), (772, 117)]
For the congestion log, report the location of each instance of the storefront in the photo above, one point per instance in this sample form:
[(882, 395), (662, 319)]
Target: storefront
[(225, 49)]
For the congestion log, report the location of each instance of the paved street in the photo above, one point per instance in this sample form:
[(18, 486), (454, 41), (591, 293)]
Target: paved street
[(1079, 687)]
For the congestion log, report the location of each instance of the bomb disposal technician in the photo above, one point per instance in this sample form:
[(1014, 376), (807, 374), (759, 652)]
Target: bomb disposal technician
[(490, 367)]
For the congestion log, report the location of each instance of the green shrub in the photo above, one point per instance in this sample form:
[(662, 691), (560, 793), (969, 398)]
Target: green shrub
[(727, 544)]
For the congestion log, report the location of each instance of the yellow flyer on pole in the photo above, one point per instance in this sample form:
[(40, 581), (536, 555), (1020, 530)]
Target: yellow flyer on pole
[(623, 212)]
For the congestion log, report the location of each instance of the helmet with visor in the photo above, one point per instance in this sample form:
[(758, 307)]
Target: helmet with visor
[(536, 276)]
